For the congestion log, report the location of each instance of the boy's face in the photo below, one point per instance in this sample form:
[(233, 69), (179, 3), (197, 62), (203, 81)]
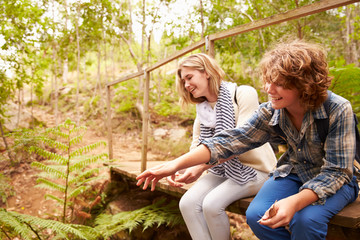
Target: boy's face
[(281, 97)]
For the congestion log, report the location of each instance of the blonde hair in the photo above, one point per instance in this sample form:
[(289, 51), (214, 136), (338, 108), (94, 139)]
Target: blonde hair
[(203, 63), (299, 65)]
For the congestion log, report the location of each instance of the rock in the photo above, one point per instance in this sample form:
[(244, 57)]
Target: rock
[(12, 121), (173, 134)]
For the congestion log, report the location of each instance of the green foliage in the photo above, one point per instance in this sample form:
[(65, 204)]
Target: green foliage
[(346, 83), (66, 172), (28, 227), (149, 216), (6, 190), (126, 96)]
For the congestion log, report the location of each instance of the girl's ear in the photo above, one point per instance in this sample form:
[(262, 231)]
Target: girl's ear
[(207, 75)]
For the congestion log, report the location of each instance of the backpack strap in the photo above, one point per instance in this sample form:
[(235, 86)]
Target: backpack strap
[(235, 98), (322, 125)]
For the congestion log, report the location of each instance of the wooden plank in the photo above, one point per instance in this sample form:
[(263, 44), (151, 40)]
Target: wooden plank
[(178, 54), (349, 217), (125, 78), (282, 17), (109, 128), (145, 122)]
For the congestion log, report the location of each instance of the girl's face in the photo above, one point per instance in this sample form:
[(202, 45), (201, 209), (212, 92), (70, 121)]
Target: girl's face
[(196, 82), (281, 97)]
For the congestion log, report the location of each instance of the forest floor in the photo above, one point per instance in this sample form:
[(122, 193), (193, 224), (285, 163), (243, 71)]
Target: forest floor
[(29, 199)]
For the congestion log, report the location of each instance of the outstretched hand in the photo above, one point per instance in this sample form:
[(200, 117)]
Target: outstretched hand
[(153, 175)]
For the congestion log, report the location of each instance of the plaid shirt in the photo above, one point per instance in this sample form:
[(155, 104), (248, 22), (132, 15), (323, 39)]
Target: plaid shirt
[(323, 169)]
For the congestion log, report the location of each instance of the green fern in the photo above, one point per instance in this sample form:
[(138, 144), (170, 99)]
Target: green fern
[(28, 227), (65, 170), (149, 216), (6, 190)]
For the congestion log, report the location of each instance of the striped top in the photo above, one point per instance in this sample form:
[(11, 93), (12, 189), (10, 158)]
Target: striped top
[(215, 120)]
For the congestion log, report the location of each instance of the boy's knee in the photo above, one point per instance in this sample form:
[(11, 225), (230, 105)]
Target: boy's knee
[(253, 214)]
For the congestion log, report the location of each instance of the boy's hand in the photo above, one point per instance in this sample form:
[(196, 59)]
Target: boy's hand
[(286, 208), (279, 214)]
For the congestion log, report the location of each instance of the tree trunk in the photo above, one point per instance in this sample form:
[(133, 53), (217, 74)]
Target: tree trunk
[(5, 142), (351, 49), (66, 62), (19, 108), (77, 67)]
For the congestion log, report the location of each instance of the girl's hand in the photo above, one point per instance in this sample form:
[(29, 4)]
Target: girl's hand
[(172, 180), (188, 176), (153, 175), (192, 174)]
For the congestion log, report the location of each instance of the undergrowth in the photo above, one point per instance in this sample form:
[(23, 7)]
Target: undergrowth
[(156, 214)]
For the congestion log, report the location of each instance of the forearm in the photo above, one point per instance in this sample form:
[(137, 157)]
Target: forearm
[(304, 198), (199, 155)]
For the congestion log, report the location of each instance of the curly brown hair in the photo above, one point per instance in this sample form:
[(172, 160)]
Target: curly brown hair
[(301, 65), (203, 63)]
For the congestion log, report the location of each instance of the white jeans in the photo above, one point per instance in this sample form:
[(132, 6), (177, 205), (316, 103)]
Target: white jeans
[(203, 205)]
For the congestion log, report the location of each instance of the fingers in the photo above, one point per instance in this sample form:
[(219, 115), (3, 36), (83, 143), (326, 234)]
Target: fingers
[(172, 182), (270, 213)]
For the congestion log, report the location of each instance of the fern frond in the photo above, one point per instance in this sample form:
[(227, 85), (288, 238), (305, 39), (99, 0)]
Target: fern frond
[(56, 144), (148, 216), (76, 140), (7, 219), (77, 191), (87, 148), (58, 132), (80, 231), (87, 180), (78, 129), (50, 196), (45, 183), (48, 155), (79, 179), (109, 225), (49, 169), (87, 161)]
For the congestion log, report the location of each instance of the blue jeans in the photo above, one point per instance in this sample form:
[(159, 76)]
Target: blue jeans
[(308, 223)]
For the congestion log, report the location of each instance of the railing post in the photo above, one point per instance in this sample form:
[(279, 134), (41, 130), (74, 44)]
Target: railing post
[(145, 122), (210, 46), (109, 128)]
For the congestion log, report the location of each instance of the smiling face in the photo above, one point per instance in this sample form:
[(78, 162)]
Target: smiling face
[(196, 83), (281, 97)]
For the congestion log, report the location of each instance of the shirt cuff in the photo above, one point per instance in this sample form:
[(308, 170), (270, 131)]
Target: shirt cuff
[(213, 160)]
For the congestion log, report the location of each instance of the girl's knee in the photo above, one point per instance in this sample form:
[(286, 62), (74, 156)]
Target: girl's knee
[(183, 203), (188, 204), (211, 208)]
